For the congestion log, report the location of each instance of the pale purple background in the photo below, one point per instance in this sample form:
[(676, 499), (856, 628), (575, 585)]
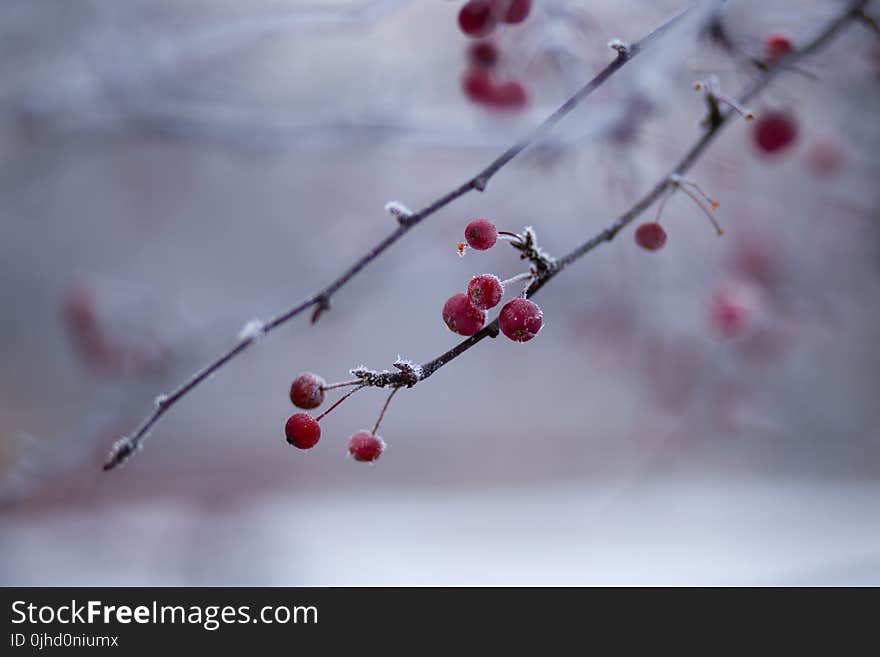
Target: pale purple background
[(200, 165)]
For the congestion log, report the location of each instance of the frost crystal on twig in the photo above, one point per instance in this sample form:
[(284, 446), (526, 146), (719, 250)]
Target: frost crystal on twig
[(253, 330), (409, 374), (398, 210)]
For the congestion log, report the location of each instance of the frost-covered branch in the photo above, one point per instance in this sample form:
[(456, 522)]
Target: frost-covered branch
[(319, 302)]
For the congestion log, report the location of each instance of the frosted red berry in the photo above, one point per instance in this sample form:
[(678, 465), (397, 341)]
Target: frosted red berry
[(307, 390), (774, 131), (513, 11), (485, 291), (520, 320), (476, 18), (651, 236), (777, 46), (365, 446), (477, 85), (483, 54), (481, 234), (302, 431), (461, 316)]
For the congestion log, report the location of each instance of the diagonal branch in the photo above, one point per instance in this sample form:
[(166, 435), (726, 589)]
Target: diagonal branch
[(320, 301)]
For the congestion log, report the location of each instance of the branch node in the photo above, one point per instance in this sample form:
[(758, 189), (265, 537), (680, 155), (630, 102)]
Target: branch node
[(399, 211), (322, 305), (623, 49), (480, 183), (527, 244)]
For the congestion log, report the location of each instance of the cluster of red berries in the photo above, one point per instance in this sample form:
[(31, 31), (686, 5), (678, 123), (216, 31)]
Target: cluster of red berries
[(478, 19), (465, 313), (303, 431)]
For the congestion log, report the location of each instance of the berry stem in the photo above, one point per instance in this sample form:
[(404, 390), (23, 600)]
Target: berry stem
[(519, 277), (662, 204), (508, 235), (339, 401), (340, 384), (696, 199), (384, 408)]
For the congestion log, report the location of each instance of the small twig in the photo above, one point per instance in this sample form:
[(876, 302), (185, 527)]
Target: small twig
[(384, 408)]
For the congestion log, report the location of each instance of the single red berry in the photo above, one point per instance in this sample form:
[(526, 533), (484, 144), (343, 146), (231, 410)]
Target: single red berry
[(307, 390), (520, 319), (485, 291), (731, 309), (774, 131), (777, 46), (481, 234), (483, 54), (302, 431), (513, 11), (476, 18), (651, 236), (365, 446), (461, 317), (510, 95), (477, 85)]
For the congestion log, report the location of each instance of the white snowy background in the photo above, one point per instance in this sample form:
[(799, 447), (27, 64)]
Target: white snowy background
[(196, 165)]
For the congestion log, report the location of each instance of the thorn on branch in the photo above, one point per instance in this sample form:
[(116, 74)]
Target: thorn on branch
[(322, 306)]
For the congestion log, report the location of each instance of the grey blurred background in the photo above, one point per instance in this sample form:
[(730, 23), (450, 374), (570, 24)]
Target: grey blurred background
[(176, 169)]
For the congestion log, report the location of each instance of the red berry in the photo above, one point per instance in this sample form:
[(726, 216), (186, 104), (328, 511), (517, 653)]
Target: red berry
[(774, 131), (777, 46), (481, 234), (307, 390), (731, 309), (302, 431), (365, 446), (520, 320), (483, 54), (651, 236), (510, 95), (477, 85), (461, 317), (513, 11), (485, 291), (476, 18)]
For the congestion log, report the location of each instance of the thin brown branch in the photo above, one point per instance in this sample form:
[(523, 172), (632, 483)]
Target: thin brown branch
[(320, 301)]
